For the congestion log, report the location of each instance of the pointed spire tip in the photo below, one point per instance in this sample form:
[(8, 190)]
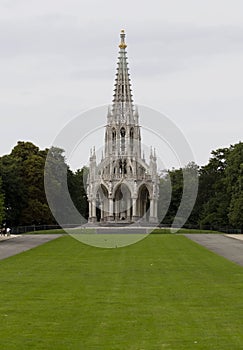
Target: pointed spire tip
[(122, 44)]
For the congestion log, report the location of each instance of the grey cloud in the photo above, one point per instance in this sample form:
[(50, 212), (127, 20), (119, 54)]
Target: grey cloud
[(168, 49), (66, 34), (60, 48)]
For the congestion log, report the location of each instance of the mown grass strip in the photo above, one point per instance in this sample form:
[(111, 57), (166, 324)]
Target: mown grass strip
[(165, 292)]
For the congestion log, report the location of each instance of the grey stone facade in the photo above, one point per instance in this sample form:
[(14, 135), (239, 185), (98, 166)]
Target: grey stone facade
[(123, 187)]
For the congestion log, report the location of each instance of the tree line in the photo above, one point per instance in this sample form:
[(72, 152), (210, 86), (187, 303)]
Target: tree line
[(23, 201), (219, 202)]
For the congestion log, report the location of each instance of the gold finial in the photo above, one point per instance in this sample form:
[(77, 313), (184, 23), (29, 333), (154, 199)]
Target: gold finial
[(122, 44)]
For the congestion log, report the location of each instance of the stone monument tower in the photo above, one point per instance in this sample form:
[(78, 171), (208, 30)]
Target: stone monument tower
[(123, 187)]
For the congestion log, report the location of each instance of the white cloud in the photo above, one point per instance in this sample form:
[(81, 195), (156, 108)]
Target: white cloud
[(59, 57)]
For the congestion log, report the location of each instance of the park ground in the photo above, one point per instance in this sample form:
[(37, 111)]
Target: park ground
[(164, 292)]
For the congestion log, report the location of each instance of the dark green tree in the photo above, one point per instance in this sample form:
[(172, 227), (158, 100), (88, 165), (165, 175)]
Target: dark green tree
[(175, 185), (2, 209), (213, 199), (164, 198), (23, 150), (63, 189), (190, 188), (77, 185), (22, 172), (234, 180), (172, 182), (13, 188)]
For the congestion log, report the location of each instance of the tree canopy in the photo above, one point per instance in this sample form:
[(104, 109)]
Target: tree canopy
[(22, 173), (1, 203), (219, 201), (23, 199)]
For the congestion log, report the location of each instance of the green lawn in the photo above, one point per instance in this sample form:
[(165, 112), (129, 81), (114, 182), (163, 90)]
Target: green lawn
[(183, 230), (165, 292), (156, 230)]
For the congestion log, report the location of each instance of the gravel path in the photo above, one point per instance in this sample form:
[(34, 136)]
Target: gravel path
[(20, 244), (229, 247)]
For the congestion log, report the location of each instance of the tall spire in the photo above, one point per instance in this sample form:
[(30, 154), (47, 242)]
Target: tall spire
[(122, 104)]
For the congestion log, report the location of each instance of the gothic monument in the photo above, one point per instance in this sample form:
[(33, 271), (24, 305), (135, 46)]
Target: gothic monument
[(123, 187)]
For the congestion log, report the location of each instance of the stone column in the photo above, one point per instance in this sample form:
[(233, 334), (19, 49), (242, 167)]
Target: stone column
[(153, 212), (138, 208), (110, 216), (156, 208), (101, 211), (92, 211), (134, 209), (144, 210), (116, 210)]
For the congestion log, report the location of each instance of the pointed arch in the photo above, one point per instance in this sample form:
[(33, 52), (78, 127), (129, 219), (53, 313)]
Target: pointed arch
[(149, 188), (122, 139), (131, 139), (113, 133), (143, 202), (101, 202), (122, 203), (124, 182)]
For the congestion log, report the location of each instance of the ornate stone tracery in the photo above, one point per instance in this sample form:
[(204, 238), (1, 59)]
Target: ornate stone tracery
[(123, 187)]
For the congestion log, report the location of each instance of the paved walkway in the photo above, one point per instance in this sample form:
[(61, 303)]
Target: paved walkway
[(3, 238), (19, 244), (229, 246)]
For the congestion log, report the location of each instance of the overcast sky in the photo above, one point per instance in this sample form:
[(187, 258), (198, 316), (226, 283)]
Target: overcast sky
[(58, 58)]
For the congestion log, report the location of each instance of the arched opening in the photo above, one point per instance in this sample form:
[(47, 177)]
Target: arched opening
[(120, 166), (113, 140), (122, 204), (131, 139), (125, 167), (123, 134), (98, 210), (102, 203), (143, 203)]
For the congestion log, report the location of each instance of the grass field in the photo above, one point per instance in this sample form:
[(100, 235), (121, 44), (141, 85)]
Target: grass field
[(156, 231), (165, 292)]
